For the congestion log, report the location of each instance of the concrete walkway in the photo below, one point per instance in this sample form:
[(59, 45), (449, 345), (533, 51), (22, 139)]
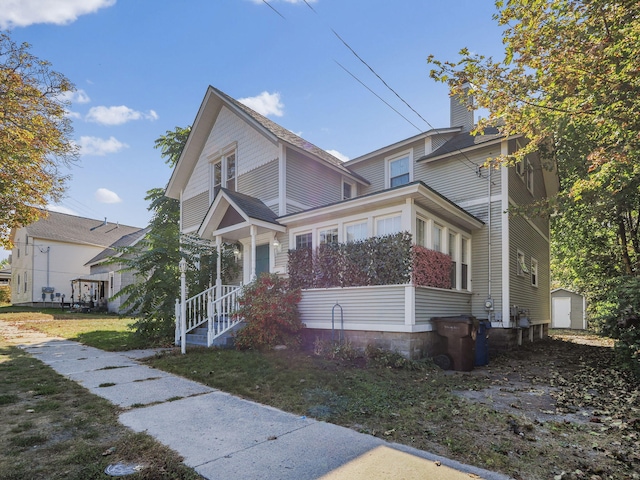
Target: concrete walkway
[(226, 437)]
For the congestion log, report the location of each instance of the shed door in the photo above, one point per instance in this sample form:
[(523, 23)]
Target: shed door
[(561, 313)]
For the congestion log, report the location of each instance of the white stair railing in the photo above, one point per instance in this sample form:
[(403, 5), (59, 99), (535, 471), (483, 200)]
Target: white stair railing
[(206, 307), (221, 316)]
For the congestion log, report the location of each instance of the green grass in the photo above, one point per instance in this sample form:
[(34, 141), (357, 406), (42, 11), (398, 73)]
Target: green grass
[(104, 331), (52, 428)]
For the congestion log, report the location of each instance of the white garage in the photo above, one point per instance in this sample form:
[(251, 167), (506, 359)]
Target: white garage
[(568, 309)]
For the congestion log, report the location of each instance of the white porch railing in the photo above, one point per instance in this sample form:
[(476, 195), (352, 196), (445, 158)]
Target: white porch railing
[(216, 312)]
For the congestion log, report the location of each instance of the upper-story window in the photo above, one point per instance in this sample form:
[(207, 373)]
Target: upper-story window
[(348, 190), (223, 172), (399, 170), (528, 175)]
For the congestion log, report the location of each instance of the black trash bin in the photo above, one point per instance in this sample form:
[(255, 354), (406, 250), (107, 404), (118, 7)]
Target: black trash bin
[(482, 343), (460, 334)]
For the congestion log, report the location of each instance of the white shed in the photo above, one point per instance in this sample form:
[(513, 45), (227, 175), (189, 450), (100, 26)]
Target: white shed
[(568, 309)]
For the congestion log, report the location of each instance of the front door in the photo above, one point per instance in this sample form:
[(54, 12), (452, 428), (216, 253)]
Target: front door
[(262, 259)]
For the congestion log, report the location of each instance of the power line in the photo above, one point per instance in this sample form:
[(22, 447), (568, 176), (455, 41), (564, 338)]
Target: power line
[(379, 97), (273, 8)]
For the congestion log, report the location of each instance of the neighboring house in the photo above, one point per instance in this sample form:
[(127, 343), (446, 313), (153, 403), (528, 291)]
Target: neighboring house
[(106, 270), (49, 261), (5, 276), (242, 178), (568, 309)]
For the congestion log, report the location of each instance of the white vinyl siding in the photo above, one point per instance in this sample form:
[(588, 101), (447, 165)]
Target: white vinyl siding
[(310, 183), (436, 302)]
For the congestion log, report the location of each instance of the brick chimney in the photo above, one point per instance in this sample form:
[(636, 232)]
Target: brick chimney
[(461, 115)]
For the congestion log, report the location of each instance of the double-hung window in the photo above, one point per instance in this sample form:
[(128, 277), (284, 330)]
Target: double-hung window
[(388, 226), (452, 254), (437, 237), (304, 240), (534, 272), (329, 235), (464, 261), (421, 238), (223, 172), (521, 264), (399, 171), (356, 231)]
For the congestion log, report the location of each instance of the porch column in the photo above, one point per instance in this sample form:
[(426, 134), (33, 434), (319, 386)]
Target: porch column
[(219, 266), (254, 233)]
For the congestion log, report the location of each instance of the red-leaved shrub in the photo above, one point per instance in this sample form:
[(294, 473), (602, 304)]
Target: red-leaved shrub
[(431, 268), (269, 308)]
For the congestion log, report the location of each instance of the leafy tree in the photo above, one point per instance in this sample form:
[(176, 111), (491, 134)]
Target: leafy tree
[(569, 82), (155, 259), (35, 136)]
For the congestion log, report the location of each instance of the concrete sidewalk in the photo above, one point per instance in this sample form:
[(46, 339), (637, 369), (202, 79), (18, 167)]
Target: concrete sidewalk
[(226, 437)]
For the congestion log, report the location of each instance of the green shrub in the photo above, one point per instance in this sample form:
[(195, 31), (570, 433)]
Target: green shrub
[(335, 350), (617, 314), (381, 358), (270, 310)]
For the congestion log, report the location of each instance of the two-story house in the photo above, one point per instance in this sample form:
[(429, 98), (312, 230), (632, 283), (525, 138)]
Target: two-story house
[(244, 179), (52, 260)]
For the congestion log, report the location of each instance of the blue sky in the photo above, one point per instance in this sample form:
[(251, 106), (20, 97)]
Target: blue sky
[(141, 67)]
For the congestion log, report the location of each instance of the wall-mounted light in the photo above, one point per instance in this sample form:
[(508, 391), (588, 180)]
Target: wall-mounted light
[(237, 253), (276, 245)]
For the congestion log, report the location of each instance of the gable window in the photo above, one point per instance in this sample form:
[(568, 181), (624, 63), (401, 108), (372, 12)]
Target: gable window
[(348, 190), (534, 272), (304, 240), (223, 172), (329, 236), (521, 264), (356, 231), (388, 226), (529, 175), (399, 173)]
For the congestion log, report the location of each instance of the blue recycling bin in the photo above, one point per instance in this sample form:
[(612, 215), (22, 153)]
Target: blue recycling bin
[(482, 343)]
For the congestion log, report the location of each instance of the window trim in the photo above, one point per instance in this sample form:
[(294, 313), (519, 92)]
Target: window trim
[(386, 217), (354, 224), (535, 273), (521, 264), (300, 234), (528, 175), (353, 190), (221, 158), (393, 158)]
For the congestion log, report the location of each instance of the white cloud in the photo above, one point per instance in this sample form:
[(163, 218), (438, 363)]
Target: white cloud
[(107, 196), (117, 115), (22, 13), (338, 155), (265, 104), (100, 146), (61, 209), (79, 96)]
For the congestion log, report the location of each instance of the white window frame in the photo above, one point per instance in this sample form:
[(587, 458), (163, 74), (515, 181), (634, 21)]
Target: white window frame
[(330, 230), (353, 189), (359, 224), (300, 234), (465, 259), (393, 217), (421, 232), (222, 159), (528, 175), (535, 279), (394, 158), (521, 264), (433, 237)]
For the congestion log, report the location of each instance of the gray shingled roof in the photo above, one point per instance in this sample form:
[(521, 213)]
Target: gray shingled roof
[(290, 137), (79, 230), (124, 241), (463, 140), (251, 206)]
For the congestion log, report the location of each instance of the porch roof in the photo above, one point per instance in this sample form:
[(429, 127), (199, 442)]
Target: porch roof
[(232, 214), (423, 195)]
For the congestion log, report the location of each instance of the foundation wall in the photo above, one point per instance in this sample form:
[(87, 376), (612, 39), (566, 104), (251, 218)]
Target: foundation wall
[(409, 345)]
